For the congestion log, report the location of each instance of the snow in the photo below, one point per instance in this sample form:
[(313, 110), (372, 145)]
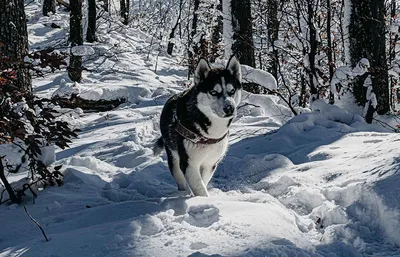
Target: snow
[(341, 86), (82, 50), (323, 183), (261, 77)]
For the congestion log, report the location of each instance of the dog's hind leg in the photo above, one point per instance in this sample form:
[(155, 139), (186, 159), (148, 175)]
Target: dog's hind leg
[(174, 167)]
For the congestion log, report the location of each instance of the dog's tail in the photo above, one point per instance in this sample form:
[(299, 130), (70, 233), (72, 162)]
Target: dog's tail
[(158, 146)]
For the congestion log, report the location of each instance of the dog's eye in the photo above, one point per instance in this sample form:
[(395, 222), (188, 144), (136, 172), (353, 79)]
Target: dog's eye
[(232, 92), (213, 92)]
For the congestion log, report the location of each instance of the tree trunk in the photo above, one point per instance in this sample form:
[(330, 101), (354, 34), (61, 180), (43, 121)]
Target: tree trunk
[(91, 28), (49, 6), (367, 40), (273, 30), (14, 41), (128, 7), (312, 73), (330, 48), (394, 37), (171, 43), (216, 37), (242, 45), (303, 86), (191, 52), (76, 38), (105, 5), (124, 4)]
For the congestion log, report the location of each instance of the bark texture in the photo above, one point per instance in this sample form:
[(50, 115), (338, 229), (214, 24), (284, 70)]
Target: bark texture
[(367, 40), (76, 38), (91, 28), (14, 41), (49, 6), (242, 46)]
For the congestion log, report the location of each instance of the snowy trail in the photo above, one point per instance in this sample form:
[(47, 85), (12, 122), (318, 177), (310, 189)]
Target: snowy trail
[(265, 198), (320, 184)]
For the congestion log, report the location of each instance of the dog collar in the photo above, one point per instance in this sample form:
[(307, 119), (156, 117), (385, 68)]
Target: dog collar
[(196, 138)]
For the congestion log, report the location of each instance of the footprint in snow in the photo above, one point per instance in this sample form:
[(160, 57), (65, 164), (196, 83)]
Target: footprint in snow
[(202, 215), (374, 141), (198, 246)]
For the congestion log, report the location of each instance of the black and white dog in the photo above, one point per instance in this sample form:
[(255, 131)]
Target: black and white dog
[(195, 123)]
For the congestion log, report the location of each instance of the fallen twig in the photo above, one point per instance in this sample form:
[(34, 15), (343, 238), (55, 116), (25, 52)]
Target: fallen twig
[(37, 223)]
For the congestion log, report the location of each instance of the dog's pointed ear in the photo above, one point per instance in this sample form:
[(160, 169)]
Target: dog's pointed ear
[(233, 67), (201, 72)]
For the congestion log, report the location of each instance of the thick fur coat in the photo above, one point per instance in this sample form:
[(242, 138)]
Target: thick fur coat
[(204, 112)]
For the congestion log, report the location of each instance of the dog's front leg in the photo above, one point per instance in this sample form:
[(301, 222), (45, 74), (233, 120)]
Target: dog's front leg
[(207, 173), (195, 181)]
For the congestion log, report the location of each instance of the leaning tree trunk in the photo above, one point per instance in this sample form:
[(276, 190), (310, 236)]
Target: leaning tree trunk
[(8, 187), (273, 30), (367, 40), (14, 41), (49, 6), (242, 46), (76, 38), (91, 28)]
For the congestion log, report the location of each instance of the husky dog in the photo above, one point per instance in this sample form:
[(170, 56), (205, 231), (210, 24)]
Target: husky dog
[(195, 123)]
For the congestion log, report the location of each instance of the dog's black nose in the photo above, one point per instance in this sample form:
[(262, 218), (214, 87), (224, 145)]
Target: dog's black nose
[(229, 110)]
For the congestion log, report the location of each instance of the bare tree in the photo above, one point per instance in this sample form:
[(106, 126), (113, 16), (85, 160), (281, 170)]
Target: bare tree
[(192, 51), (171, 43), (49, 6), (216, 37), (75, 38), (105, 5), (124, 11), (367, 40), (242, 26), (393, 42), (91, 28), (330, 48), (273, 33)]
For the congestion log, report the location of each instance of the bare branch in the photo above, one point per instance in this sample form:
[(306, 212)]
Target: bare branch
[(37, 223)]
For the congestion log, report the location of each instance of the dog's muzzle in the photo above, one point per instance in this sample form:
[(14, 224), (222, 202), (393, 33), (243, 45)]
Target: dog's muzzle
[(229, 110), (229, 107)]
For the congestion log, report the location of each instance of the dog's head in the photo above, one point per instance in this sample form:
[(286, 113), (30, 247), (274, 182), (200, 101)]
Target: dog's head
[(220, 90)]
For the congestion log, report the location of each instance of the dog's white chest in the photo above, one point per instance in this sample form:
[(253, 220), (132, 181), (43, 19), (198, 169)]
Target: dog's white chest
[(206, 154)]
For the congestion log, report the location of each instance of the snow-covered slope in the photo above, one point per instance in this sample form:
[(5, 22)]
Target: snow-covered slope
[(320, 184)]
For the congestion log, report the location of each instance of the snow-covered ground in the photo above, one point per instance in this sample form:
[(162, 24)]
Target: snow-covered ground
[(323, 183)]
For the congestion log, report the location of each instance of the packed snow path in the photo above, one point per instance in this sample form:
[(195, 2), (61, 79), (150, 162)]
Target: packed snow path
[(315, 187)]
